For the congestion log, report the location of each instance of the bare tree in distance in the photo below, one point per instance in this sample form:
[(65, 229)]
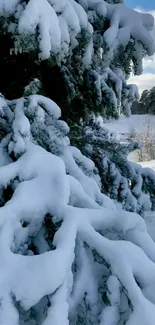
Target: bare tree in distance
[(146, 136)]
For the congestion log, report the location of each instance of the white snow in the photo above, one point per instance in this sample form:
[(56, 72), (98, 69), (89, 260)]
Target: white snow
[(50, 16), (148, 164), (47, 104), (8, 7), (126, 22), (150, 223), (64, 187), (135, 123), (50, 177), (40, 13)]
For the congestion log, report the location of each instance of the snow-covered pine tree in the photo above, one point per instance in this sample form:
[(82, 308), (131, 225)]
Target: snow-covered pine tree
[(68, 255), (82, 54), (122, 180)]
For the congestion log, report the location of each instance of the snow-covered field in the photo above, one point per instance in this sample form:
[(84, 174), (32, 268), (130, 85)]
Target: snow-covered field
[(137, 123)]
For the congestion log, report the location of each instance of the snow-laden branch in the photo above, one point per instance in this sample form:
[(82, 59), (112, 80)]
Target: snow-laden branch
[(59, 24), (126, 22), (69, 269)]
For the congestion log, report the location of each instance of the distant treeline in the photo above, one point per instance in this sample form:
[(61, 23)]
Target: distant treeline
[(146, 104)]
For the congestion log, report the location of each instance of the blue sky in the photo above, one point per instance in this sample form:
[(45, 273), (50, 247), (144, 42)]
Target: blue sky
[(145, 4)]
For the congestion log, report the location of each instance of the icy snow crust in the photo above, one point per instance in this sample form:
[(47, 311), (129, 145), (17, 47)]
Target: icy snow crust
[(60, 22), (45, 183)]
